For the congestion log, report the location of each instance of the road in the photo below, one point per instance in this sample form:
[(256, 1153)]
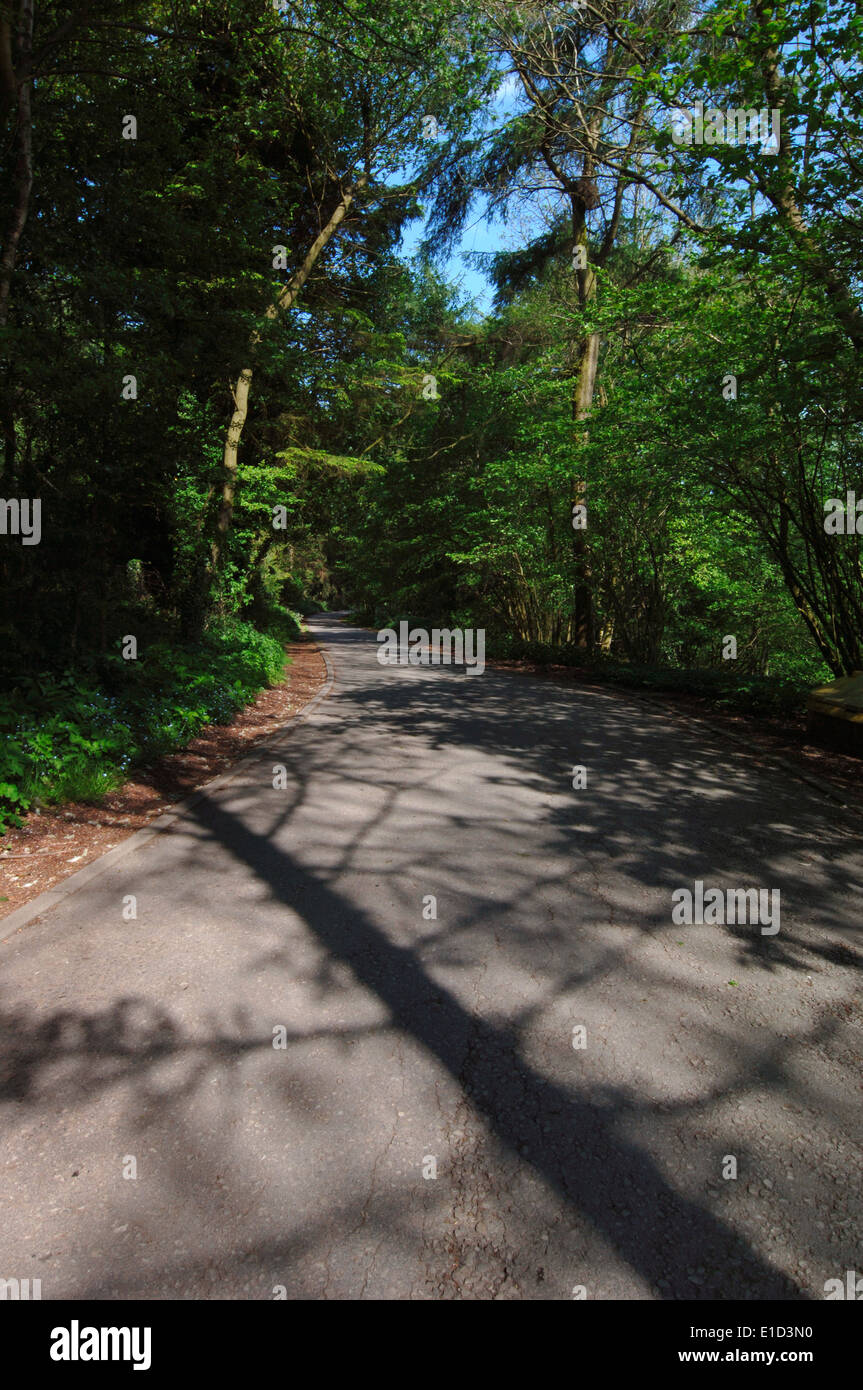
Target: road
[(432, 1127)]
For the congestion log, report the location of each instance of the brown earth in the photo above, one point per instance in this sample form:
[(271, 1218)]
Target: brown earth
[(55, 842)]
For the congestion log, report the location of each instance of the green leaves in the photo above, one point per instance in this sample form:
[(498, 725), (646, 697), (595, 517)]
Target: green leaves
[(319, 458), (82, 740)]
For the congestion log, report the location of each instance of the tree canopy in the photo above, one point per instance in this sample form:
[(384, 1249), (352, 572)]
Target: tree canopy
[(232, 395)]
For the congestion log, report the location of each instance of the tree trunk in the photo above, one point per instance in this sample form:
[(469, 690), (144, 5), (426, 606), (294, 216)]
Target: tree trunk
[(582, 400), (24, 140), (284, 301), (781, 194)]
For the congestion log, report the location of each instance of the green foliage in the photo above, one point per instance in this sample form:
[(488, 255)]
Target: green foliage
[(67, 739), (354, 485), (727, 689)]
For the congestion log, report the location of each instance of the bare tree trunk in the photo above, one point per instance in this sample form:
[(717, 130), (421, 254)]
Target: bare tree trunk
[(15, 95), (781, 193), (229, 463), (582, 400), (284, 301), (23, 83), (8, 80)]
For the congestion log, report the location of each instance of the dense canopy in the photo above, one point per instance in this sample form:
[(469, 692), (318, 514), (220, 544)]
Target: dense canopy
[(228, 394)]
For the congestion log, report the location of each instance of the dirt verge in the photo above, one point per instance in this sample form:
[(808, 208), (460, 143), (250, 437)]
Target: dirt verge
[(57, 841)]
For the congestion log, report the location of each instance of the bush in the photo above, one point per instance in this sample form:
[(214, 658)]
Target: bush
[(761, 695), (65, 738)]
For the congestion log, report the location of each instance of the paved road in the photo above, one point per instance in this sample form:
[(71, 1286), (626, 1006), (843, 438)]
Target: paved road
[(410, 1039)]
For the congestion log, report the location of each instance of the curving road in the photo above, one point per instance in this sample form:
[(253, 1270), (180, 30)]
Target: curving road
[(429, 1129)]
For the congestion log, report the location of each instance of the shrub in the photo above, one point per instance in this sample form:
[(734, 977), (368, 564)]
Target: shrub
[(65, 738)]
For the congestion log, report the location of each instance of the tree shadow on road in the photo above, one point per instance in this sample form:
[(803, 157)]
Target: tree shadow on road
[(571, 1141), (573, 1136)]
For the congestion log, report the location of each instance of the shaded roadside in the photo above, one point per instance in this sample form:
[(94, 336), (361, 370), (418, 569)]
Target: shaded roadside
[(56, 841)]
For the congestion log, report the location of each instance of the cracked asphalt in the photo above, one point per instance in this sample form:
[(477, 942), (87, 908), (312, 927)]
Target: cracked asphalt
[(428, 1129)]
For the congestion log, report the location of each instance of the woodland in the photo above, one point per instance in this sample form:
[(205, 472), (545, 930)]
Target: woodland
[(249, 371)]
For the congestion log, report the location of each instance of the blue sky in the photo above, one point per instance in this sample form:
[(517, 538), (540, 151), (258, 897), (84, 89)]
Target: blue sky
[(479, 234)]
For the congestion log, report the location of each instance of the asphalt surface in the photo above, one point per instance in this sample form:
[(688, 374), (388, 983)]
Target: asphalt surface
[(557, 1168)]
